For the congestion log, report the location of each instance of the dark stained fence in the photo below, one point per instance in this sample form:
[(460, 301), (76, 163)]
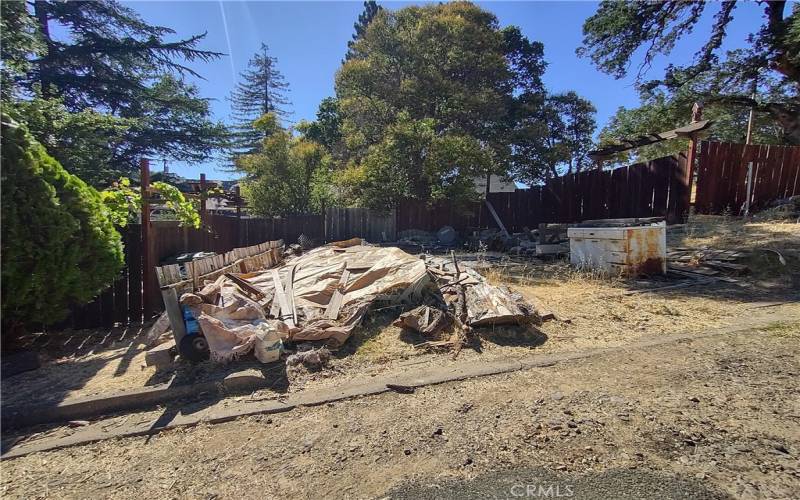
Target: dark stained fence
[(289, 228), (657, 188), (372, 225), (722, 175), (123, 301), (414, 214)]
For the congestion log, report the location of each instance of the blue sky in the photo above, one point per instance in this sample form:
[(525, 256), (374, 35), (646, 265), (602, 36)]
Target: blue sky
[(310, 38)]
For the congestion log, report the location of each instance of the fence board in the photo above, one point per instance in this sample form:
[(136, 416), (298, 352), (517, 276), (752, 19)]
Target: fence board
[(722, 175)]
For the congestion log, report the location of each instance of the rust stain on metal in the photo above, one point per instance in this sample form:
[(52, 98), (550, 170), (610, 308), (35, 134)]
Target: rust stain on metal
[(644, 252)]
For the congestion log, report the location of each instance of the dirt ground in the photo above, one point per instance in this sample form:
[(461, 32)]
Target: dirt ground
[(593, 311), (711, 417)]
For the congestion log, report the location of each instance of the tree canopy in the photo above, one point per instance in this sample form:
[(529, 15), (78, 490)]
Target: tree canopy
[(371, 8), (438, 95), (109, 61), (765, 76), (261, 90), (287, 174), (662, 109)]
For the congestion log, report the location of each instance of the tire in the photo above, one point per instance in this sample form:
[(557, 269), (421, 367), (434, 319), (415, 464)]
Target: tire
[(194, 348)]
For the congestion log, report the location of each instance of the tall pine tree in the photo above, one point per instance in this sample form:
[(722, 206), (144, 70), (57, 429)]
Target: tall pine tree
[(101, 56), (262, 90), (371, 9)]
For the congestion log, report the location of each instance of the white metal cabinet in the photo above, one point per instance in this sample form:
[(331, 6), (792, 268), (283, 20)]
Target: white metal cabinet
[(626, 250)]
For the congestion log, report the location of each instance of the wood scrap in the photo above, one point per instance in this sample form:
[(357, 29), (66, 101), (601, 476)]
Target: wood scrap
[(332, 310), (243, 284), (497, 219), (283, 304), (289, 291), (728, 266)]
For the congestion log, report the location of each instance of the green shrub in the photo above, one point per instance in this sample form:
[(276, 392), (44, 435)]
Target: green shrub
[(59, 246)]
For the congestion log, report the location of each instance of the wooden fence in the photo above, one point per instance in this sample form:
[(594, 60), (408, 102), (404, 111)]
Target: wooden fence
[(127, 301), (372, 225), (722, 176), (656, 188)]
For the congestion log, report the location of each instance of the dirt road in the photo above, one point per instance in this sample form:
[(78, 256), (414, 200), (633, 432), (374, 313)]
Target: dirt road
[(713, 416)]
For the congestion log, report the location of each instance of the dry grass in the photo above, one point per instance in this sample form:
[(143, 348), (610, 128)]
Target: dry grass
[(592, 308), (760, 239)]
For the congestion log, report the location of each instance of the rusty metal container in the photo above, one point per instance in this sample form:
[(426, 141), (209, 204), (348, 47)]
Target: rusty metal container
[(629, 251)]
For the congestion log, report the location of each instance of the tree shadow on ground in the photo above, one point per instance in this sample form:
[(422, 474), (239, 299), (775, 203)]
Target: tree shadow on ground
[(69, 360)]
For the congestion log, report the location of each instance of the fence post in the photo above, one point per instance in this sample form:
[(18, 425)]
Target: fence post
[(749, 189), (203, 218), (691, 155), (147, 243), (238, 195)]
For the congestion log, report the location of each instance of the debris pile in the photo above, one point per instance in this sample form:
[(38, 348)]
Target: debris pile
[(323, 295), (705, 262), (782, 209), (546, 240)]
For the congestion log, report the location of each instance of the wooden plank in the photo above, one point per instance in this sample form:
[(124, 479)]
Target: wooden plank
[(121, 298), (701, 201), (661, 170), (246, 286), (332, 310), (121, 290), (170, 297), (496, 218), (289, 291), (280, 297)]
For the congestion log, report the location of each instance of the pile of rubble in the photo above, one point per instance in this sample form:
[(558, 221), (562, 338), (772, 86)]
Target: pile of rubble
[(706, 262), (323, 295)]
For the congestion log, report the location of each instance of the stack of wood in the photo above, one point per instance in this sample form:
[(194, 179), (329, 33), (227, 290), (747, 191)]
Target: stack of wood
[(706, 262)]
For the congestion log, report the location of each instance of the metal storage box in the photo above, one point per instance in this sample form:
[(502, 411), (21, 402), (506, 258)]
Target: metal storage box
[(620, 250)]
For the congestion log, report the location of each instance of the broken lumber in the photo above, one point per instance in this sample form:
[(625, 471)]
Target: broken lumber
[(332, 311), (246, 286), (280, 298), (497, 219)]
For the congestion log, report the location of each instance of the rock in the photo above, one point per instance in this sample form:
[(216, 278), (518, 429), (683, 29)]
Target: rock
[(407, 451), (557, 396)]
